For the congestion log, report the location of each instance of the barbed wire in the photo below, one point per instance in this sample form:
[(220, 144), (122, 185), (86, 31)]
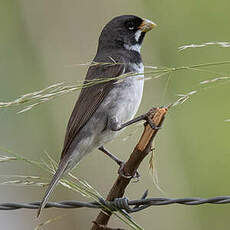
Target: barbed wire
[(124, 203)]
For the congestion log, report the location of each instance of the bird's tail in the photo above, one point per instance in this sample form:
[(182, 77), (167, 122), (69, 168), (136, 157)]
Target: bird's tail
[(57, 176)]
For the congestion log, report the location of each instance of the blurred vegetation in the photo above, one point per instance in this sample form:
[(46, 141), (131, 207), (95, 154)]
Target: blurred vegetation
[(39, 44)]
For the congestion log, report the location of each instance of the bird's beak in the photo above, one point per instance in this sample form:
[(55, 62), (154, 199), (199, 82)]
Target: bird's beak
[(146, 25)]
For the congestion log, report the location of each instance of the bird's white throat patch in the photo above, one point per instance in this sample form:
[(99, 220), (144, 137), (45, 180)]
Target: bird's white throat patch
[(138, 68), (136, 47), (137, 35)]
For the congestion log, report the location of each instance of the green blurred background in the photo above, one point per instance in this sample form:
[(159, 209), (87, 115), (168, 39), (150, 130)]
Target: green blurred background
[(40, 41)]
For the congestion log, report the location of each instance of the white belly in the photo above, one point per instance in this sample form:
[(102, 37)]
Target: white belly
[(131, 95), (123, 102)]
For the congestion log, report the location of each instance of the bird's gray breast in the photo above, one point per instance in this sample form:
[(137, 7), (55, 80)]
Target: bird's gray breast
[(126, 96), (124, 99), (121, 103)]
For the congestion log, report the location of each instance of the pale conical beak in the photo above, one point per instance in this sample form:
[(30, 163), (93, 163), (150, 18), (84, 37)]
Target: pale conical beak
[(146, 25)]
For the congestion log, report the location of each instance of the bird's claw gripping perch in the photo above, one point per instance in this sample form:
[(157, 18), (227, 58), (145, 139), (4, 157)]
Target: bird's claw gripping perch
[(148, 119), (121, 173)]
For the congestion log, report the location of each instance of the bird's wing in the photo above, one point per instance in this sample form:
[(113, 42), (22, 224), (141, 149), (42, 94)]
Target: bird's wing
[(90, 98)]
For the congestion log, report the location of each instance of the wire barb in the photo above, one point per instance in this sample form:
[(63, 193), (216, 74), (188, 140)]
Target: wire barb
[(120, 203)]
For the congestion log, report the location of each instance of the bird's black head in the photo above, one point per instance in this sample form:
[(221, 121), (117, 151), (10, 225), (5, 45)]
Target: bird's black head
[(125, 32)]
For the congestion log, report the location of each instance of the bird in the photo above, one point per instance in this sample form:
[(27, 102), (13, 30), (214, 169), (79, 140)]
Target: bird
[(114, 87)]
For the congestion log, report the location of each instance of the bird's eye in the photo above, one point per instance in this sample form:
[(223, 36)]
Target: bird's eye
[(130, 25)]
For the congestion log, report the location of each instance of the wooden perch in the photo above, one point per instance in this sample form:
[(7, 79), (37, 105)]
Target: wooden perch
[(139, 153)]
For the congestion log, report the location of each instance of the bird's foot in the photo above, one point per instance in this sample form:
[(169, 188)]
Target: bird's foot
[(148, 118), (121, 163), (136, 176)]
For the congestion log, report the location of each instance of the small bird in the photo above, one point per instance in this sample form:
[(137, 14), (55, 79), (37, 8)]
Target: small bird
[(106, 107)]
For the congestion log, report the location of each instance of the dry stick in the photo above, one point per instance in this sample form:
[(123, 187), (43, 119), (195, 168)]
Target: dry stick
[(103, 227), (139, 153)]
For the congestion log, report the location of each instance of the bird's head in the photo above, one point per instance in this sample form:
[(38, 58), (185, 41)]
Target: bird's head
[(126, 31)]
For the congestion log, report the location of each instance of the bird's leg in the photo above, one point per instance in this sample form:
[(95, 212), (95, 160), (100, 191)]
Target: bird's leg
[(113, 157), (116, 127), (120, 163)]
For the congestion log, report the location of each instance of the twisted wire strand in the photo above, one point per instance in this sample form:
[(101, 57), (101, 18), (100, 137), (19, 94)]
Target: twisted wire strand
[(120, 203)]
